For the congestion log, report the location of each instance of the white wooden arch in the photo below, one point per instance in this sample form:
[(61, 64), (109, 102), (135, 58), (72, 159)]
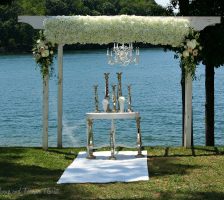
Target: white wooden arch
[(198, 23)]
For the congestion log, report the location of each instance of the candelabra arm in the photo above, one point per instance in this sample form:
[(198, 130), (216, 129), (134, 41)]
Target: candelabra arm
[(119, 87), (106, 76), (96, 98), (129, 99), (114, 98)]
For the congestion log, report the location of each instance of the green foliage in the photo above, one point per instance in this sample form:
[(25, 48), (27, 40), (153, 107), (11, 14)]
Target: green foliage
[(6, 2), (56, 7), (212, 40), (32, 7), (13, 35), (104, 7), (141, 7), (207, 8), (199, 7)]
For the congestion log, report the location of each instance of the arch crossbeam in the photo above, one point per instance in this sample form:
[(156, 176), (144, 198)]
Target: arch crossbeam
[(198, 23)]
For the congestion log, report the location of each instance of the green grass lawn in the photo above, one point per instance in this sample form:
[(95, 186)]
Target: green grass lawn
[(175, 173)]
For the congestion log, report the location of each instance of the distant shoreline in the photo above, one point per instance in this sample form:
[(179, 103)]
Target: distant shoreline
[(70, 48)]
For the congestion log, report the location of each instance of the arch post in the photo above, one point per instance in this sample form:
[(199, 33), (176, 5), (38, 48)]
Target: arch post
[(60, 94), (45, 111), (188, 111)]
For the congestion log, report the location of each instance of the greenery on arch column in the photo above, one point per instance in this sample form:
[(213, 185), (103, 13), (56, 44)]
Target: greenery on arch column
[(43, 52), (189, 52)]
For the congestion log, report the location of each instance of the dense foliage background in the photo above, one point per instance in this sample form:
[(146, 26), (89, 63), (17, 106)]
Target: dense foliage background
[(16, 36)]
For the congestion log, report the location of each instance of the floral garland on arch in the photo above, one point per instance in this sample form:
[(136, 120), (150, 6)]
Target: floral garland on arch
[(189, 52), (43, 52), (122, 29)]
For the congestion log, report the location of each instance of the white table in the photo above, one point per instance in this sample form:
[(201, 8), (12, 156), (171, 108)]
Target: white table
[(111, 116)]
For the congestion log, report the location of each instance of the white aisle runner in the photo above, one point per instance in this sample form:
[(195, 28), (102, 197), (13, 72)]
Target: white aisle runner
[(126, 168)]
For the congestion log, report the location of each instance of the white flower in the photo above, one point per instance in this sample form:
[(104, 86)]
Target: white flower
[(40, 44), (37, 56), (51, 52), (192, 44), (182, 44), (45, 53), (195, 52), (185, 53)]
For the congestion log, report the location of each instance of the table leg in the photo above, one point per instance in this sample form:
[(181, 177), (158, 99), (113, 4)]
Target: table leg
[(112, 141), (139, 138), (90, 139)]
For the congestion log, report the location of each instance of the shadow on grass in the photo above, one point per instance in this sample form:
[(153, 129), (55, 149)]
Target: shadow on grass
[(163, 166), (13, 175), (11, 154), (183, 152), (68, 155), (191, 196), (212, 150), (67, 151)]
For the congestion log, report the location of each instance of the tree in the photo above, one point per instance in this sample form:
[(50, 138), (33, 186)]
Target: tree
[(56, 7), (213, 44), (6, 2), (141, 7), (211, 38)]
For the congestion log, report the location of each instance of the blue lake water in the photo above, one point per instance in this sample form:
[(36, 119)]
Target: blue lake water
[(156, 94)]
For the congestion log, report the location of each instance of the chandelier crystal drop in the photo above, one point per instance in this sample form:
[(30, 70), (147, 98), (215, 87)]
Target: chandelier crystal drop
[(123, 55)]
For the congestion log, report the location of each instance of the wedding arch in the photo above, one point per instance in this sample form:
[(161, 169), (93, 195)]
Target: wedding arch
[(63, 30)]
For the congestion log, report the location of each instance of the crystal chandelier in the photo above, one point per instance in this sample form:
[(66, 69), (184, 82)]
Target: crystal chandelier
[(123, 55)]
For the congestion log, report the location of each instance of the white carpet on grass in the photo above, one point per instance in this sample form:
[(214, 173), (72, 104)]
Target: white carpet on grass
[(126, 168)]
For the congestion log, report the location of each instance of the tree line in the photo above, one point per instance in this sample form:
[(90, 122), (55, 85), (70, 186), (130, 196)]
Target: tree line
[(16, 36)]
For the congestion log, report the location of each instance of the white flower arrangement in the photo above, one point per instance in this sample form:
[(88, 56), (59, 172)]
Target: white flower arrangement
[(121, 29), (43, 52), (190, 52)]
